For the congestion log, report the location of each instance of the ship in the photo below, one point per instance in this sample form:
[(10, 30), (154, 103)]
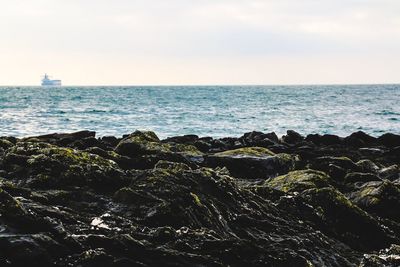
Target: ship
[(46, 81)]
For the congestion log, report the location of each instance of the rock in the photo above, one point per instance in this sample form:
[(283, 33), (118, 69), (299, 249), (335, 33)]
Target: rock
[(297, 181), (41, 165), (112, 141), (346, 221), (371, 152), (122, 161), (74, 200), (88, 142), (393, 154), (323, 163), (326, 139), (359, 139), (141, 143), (292, 137), (5, 144), (202, 204), (386, 257), (367, 165), (381, 198), (391, 173), (353, 177), (61, 139), (252, 162), (203, 146), (185, 139), (25, 250), (95, 257), (146, 149), (337, 173), (389, 140), (258, 139)]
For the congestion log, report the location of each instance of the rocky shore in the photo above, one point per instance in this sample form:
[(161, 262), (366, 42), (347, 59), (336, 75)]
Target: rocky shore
[(258, 200)]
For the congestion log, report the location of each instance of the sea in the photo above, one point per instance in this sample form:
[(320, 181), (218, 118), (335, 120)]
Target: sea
[(216, 111)]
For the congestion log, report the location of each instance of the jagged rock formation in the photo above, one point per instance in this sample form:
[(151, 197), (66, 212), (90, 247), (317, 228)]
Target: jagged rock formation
[(258, 200)]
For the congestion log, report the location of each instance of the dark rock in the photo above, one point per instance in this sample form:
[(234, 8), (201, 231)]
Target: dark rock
[(337, 173), (394, 154), (74, 200), (292, 137), (389, 257), (61, 139), (367, 165), (252, 162), (371, 151), (381, 198), (323, 163), (112, 141), (145, 149), (5, 144), (326, 139), (174, 195), (389, 140), (298, 181), (41, 165), (353, 177), (28, 250), (359, 139), (259, 139), (185, 139), (203, 146), (348, 222), (391, 173), (87, 142)]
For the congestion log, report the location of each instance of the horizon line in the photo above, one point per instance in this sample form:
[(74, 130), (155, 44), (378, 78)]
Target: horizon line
[(206, 85)]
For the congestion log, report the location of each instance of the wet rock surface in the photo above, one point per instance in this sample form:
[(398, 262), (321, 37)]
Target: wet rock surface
[(257, 200)]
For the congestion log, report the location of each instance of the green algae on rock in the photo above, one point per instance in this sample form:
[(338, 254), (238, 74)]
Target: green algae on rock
[(246, 152), (74, 200), (45, 166), (252, 162), (381, 198), (145, 149), (297, 181), (347, 221)]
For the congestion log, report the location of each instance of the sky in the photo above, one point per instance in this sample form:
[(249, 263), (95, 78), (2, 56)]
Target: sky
[(200, 42)]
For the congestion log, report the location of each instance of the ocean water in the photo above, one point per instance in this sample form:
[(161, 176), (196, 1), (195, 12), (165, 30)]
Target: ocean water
[(206, 111)]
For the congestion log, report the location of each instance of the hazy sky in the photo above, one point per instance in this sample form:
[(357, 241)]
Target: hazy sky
[(137, 42)]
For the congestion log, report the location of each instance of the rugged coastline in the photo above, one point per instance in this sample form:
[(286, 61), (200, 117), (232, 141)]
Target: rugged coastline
[(257, 200)]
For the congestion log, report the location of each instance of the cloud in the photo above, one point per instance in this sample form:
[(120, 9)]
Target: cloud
[(168, 32)]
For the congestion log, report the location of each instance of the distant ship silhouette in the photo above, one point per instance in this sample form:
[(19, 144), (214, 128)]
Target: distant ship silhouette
[(46, 81)]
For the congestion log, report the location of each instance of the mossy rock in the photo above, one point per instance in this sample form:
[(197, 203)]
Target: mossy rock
[(252, 162), (174, 167), (173, 194), (5, 144), (48, 166), (380, 198), (184, 149), (145, 150), (10, 208), (297, 181), (346, 221), (367, 165), (246, 152), (141, 142), (15, 215)]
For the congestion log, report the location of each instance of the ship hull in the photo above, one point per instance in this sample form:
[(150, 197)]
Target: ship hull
[(52, 83)]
